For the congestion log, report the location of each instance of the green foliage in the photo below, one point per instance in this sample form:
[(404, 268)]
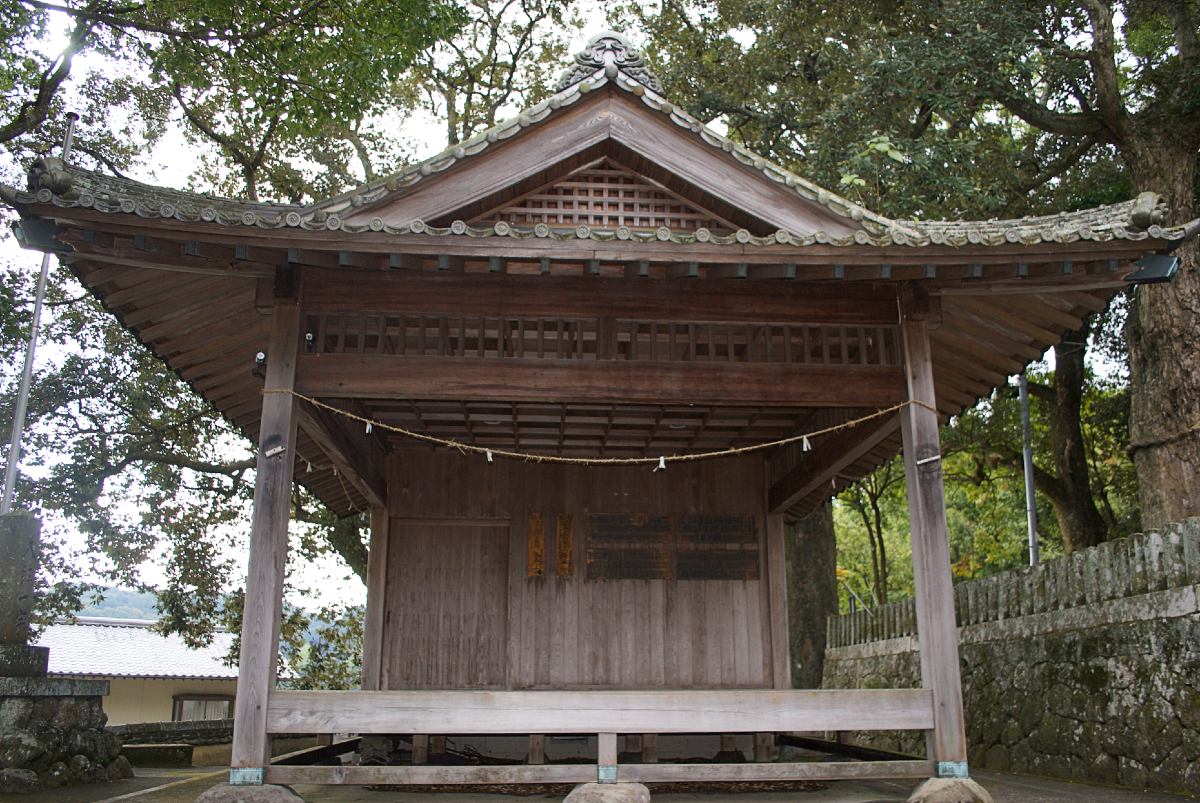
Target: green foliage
[(316, 651), (507, 55), (871, 522)]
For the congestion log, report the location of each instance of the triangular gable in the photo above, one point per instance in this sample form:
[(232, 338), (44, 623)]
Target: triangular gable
[(607, 195), (616, 120)]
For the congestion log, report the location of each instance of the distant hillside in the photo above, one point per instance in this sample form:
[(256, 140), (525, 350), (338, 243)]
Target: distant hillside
[(119, 603)]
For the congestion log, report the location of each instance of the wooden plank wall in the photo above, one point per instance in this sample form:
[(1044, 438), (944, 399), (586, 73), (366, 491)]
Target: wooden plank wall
[(445, 610), (466, 609)]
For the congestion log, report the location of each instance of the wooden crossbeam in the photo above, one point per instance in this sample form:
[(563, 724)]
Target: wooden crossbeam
[(570, 297), (585, 773), (502, 712), (608, 381), (355, 454), (826, 460)]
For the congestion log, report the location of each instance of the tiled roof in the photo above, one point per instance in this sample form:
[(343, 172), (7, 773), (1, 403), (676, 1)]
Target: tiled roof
[(68, 186), (128, 648)]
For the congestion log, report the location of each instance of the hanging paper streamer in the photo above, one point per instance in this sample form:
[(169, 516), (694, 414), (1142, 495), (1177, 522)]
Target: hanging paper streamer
[(662, 464), (804, 446)]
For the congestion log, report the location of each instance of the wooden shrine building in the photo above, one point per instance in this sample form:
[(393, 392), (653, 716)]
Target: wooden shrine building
[(600, 278)]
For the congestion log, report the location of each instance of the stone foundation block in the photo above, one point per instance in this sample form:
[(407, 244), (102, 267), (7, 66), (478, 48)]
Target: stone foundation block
[(949, 790), (267, 793), (609, 793)]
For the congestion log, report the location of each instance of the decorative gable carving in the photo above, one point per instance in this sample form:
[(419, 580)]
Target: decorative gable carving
[(604, 194), (609, 51)]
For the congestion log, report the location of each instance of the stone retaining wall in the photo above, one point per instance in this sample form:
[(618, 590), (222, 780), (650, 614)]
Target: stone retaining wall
[(195, 732), (1082, 668), (52, 734)]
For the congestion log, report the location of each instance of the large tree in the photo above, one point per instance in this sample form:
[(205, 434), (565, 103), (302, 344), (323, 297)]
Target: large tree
[(120, 449), (1002, 108)]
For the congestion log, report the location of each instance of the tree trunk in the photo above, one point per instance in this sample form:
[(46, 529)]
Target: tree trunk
[(1164, 352), (1080, 521), (811, 551)]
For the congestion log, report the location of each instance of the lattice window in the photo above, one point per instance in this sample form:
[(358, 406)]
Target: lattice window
[(606, 196)]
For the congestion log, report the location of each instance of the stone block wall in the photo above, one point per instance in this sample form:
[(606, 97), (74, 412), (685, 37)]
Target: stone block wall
[(1082, 668), (196, 732), (52, 735)]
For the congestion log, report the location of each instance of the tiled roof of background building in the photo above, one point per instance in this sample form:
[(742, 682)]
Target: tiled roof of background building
[(128, 648)]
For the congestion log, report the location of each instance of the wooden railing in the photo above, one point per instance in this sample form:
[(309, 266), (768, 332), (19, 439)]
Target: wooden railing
[(416, 335), (605, 713)]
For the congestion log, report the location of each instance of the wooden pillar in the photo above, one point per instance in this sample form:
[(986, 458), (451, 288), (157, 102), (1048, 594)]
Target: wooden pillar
[(764, 747), (268, 551), (781, 652), (537, 749), (649, 748), (938, 635), (420, 750), (606, 747), (377, 560)]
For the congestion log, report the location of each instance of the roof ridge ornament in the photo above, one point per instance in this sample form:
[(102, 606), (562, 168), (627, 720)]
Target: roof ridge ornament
[(610, 51)]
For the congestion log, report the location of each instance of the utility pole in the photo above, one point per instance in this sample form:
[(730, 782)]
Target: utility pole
[(18, 425), (1027, 449)]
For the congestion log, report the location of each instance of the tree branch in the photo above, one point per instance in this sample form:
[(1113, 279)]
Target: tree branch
[(1104, 68), (227, 469), (198, 34), (1077, 124), (31, 114)]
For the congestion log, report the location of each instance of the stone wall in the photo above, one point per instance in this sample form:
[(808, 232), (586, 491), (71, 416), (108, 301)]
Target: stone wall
[(52, 734), (196, 732), (1082, 668)]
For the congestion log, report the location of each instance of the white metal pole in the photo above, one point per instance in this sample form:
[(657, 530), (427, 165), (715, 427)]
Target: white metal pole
[(18, 425), (1027, 444)]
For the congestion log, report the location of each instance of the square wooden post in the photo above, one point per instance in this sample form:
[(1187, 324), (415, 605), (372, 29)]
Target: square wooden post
[(781, 648), (937, 633), (377, 560), (537, 749), (268, 552), (606, 748)]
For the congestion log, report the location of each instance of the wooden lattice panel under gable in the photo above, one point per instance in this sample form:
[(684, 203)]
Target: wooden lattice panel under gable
[(606, 195)]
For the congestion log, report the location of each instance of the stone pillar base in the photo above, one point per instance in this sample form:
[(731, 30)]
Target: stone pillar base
[(609, 793), (949, 790), (267, 793)]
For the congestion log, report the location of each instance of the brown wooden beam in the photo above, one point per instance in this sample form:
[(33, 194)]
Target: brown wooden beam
[(494, 295), (610, 381), (828, 458), (134, 258), (356, 455)]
